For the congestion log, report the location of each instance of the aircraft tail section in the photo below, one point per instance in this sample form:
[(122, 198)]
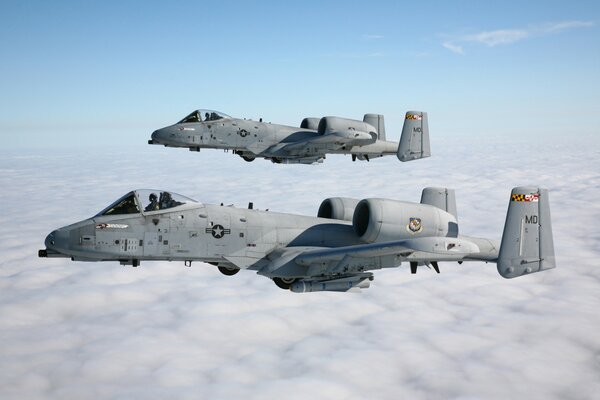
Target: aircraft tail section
[(414, 142), (527, 245)]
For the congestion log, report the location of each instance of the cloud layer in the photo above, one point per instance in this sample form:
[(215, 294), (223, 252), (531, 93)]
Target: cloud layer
[(101, 330), (508, 36)]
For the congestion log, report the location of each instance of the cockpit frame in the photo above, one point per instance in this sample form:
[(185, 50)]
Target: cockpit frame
[(201, 115), (133, 203)]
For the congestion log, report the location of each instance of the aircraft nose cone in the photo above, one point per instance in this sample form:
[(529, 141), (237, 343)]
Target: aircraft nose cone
[(57, 239), (162, 136), (154, 137), (50, 242)]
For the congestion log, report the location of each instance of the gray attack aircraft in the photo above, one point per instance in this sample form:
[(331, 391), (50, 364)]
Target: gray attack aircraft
[(308, 144), (334, 251)]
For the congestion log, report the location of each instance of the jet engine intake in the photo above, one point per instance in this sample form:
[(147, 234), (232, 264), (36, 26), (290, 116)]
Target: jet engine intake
[(337, 208)]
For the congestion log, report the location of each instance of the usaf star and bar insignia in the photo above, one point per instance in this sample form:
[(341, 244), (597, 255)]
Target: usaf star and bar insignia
[(218, 231)]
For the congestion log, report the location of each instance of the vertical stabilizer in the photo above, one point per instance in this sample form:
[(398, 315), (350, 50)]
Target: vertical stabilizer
[(442, 198), (527, 244), (414, 142), (376, 120)]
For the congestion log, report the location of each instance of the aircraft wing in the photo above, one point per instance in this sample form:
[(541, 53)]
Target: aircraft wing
[(349, 259), (258, 147), (333, 140), (307, 146)]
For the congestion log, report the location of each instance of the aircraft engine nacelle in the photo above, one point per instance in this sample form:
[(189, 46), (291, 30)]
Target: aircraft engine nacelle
[(337, 208), (382, 220), (329, 125), (310, 123)]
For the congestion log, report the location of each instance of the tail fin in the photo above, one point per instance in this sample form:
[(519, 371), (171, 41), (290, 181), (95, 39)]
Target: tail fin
[(414, 142), (527, 244), (376, 120), (442, 198)]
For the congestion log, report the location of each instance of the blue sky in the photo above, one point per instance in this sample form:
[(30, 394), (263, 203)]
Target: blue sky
[(92, 73)]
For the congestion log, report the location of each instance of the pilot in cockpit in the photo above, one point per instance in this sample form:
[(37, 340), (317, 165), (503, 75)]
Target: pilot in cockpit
[(153, 206), (206, 117), (165, 199), (193, 117)]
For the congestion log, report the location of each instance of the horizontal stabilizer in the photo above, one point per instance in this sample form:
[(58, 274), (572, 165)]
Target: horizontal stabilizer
[(414, 142), (527, 245)]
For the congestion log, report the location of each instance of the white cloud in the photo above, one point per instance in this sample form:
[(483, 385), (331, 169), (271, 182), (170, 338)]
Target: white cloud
[(494, 38), (509, 36), (561, 26), (101, 330), (453, 48)]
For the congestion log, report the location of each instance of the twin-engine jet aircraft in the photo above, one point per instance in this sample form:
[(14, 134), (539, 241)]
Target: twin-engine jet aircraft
[(308, 144), (331, 252)]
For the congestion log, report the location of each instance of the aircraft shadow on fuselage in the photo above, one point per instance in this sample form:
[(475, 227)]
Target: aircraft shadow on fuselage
[(300, 136), (326, 235)]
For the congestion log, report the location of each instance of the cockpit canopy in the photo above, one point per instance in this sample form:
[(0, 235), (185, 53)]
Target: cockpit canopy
[(204, 116), (146, 200)]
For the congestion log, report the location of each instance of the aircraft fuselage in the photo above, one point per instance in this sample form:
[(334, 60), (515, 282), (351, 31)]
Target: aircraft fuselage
[(251, 139), (198, 232), (264, 241)]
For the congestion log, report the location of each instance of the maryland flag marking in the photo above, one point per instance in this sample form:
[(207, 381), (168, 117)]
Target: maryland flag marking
[(525, 197), (413, 116)]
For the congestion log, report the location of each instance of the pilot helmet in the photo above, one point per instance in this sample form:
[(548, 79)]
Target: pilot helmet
[(152, 197)]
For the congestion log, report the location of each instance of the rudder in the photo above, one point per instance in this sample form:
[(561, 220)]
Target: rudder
[(527, 244), (414, 142)]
